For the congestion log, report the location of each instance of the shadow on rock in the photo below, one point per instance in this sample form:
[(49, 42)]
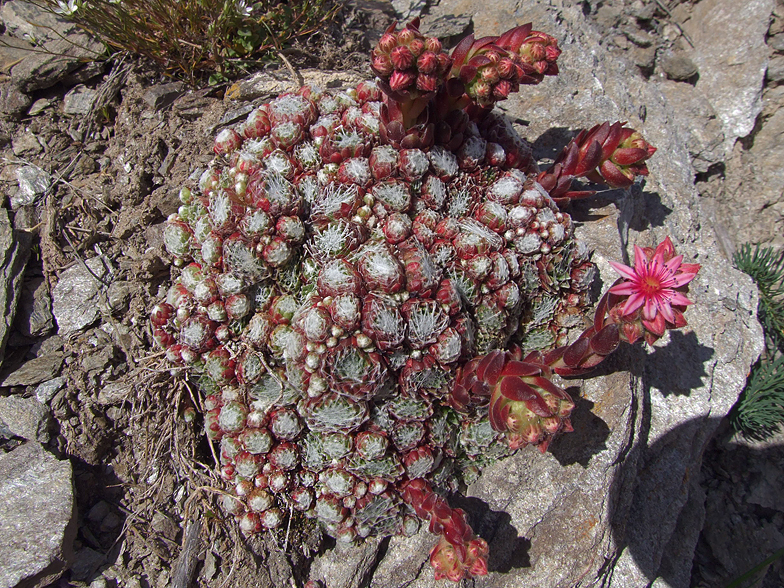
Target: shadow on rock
[(549, 144), (683, 351), (649, 211), (656, 368), (586, 441), (658, 506), (744, 510), (507, 549)]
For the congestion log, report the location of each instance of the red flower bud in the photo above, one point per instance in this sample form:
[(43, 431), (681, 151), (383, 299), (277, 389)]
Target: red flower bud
[(433, 44), (417, 46), (402, 58), (427, 63), (387, 42), (382, 65), (427, 83), (489, 74), (405, 36), (402, 80), (502, 90)]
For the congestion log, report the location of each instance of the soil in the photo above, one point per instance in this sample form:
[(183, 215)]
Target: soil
[(144, 472)]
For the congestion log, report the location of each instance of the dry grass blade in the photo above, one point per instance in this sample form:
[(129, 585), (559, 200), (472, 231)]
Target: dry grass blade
[(196, 39)]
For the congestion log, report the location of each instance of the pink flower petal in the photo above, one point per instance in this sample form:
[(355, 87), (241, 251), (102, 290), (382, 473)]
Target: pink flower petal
[(665, 248), (674, 263), (640, 261), (679, 299), (624, 288), (682, 279), (666, 310), (649, 309), (624, 270), (634, 302)]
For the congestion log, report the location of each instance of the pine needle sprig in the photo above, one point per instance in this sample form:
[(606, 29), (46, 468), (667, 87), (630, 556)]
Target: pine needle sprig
[(760, 409), (766, 268)]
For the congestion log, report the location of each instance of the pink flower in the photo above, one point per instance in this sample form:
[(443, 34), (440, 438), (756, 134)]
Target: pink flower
[(653, 283)]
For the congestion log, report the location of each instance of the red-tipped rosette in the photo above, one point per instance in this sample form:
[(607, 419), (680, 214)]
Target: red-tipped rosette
[(488, 72), (608, 154), (524, 402), (459, 553), (538, 56), (410, 69), (409, 64)]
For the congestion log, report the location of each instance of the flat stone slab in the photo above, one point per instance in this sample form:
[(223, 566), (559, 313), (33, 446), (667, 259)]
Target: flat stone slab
[(14, 251), (37, 517), (35, 371), (76, 297), (44, 69), (731, 62), (26, 418)]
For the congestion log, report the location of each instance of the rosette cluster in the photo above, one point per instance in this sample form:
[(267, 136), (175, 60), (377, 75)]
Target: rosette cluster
[(494, 67), (332, 289), (406, 61)]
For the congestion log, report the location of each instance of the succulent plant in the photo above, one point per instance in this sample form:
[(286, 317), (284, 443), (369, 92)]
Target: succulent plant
[(361, 272)]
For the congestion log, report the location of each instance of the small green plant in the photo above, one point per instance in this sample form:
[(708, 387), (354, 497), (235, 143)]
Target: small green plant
[(198, 38), (760, 410)]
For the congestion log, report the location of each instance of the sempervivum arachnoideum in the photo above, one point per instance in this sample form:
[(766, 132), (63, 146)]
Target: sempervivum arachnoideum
[(356, 267)]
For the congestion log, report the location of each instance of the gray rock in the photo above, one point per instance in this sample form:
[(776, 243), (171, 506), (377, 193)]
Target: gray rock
[(408, 9), (346, 566), (29, 21), (447, 28), (59, 57), (13, 102), (47, 390), (33, 183), (97, 513), (677, 66), (76, 297), (35, 371), (34, 315), (26, 418), (162, 95), (776, 42), (696, 120), (642, 10), (775, 71), (735, 537), (211, 565), (12, 51), (609, 15), (49, 345), (164, 525), (610, 503), (118, 295), (37, 517), (79, 101), (644, 57), (27, 144), (752, 201), (731, 64), (5, 432), (115, 392), (86, 563), (39, 106), (272, 83), (14, 251)]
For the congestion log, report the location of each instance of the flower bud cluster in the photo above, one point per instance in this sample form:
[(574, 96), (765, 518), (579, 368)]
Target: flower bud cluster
[(408, 62)]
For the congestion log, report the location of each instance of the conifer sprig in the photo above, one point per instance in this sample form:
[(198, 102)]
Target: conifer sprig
[(760, 410)]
